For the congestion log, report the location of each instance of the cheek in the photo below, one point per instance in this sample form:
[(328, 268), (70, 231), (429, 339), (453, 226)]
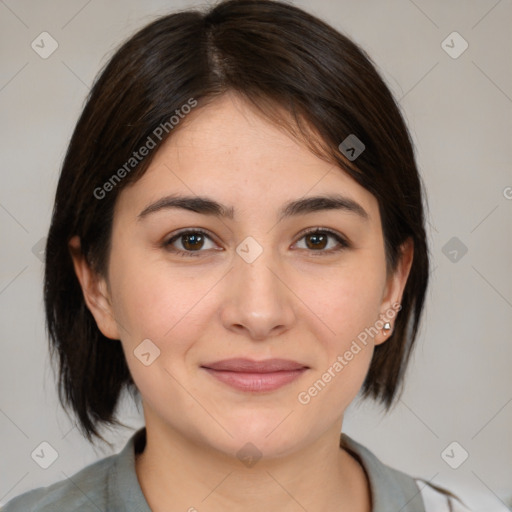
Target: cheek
[(164, 307), (148, 299), (349, 302), (346, 356)]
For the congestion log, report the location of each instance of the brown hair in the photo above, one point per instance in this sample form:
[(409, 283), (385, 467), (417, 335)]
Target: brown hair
[(274, 55)]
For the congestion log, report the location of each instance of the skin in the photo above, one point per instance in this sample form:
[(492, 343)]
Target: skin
[(290, 302)]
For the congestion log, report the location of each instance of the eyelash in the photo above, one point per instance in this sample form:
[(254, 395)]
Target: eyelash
[(343, 243)]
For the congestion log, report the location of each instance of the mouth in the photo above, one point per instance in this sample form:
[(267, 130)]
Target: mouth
[(255, 376)]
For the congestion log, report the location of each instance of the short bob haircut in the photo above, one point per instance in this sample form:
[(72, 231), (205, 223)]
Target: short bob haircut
[(302, 75)]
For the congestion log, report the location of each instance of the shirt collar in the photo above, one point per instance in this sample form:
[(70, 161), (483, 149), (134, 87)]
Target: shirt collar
[(126, 493), (390, 488)]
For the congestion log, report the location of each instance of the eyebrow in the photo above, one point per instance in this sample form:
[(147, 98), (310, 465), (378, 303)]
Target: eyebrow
[(206, 206)]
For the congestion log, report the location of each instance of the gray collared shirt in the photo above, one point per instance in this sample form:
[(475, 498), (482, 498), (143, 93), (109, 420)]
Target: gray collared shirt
[(111, 485)]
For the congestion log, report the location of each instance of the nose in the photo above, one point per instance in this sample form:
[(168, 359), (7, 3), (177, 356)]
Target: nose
[(257, 300)]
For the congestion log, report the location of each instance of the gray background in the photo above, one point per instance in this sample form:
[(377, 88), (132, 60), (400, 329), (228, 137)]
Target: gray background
[(459, 385)]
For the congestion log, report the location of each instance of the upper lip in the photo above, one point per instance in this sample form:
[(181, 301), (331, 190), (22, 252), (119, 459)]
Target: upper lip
[(251, 366)]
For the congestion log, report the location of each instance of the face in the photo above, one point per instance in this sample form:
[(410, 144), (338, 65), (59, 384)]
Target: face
[(255, 285)]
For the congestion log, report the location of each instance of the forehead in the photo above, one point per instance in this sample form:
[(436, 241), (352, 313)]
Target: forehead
[(229, 151)]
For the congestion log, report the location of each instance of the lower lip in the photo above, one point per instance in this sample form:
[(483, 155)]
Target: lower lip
[(256, 381)]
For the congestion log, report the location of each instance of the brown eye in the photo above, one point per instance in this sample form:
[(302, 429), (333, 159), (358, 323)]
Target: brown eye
[(192, 243), (318, 239)]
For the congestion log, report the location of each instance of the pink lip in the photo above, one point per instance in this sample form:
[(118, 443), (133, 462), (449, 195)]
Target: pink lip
[(248, 375)]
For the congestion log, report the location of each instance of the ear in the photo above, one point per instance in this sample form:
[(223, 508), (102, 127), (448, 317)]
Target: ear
[(95, 290), (394, 289)]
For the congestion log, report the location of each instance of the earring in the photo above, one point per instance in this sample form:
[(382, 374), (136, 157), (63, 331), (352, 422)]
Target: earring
[(386, 329)]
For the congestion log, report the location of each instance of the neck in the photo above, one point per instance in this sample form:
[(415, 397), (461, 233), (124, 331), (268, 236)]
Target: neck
[(177, 473)]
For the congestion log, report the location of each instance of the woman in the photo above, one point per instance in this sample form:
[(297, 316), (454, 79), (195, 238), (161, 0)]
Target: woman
[(238, 240)]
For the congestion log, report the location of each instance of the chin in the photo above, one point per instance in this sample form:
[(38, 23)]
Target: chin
[(271, 436)]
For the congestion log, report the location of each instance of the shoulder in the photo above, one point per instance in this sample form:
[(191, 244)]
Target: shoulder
[(86, 490), (393, 489)]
